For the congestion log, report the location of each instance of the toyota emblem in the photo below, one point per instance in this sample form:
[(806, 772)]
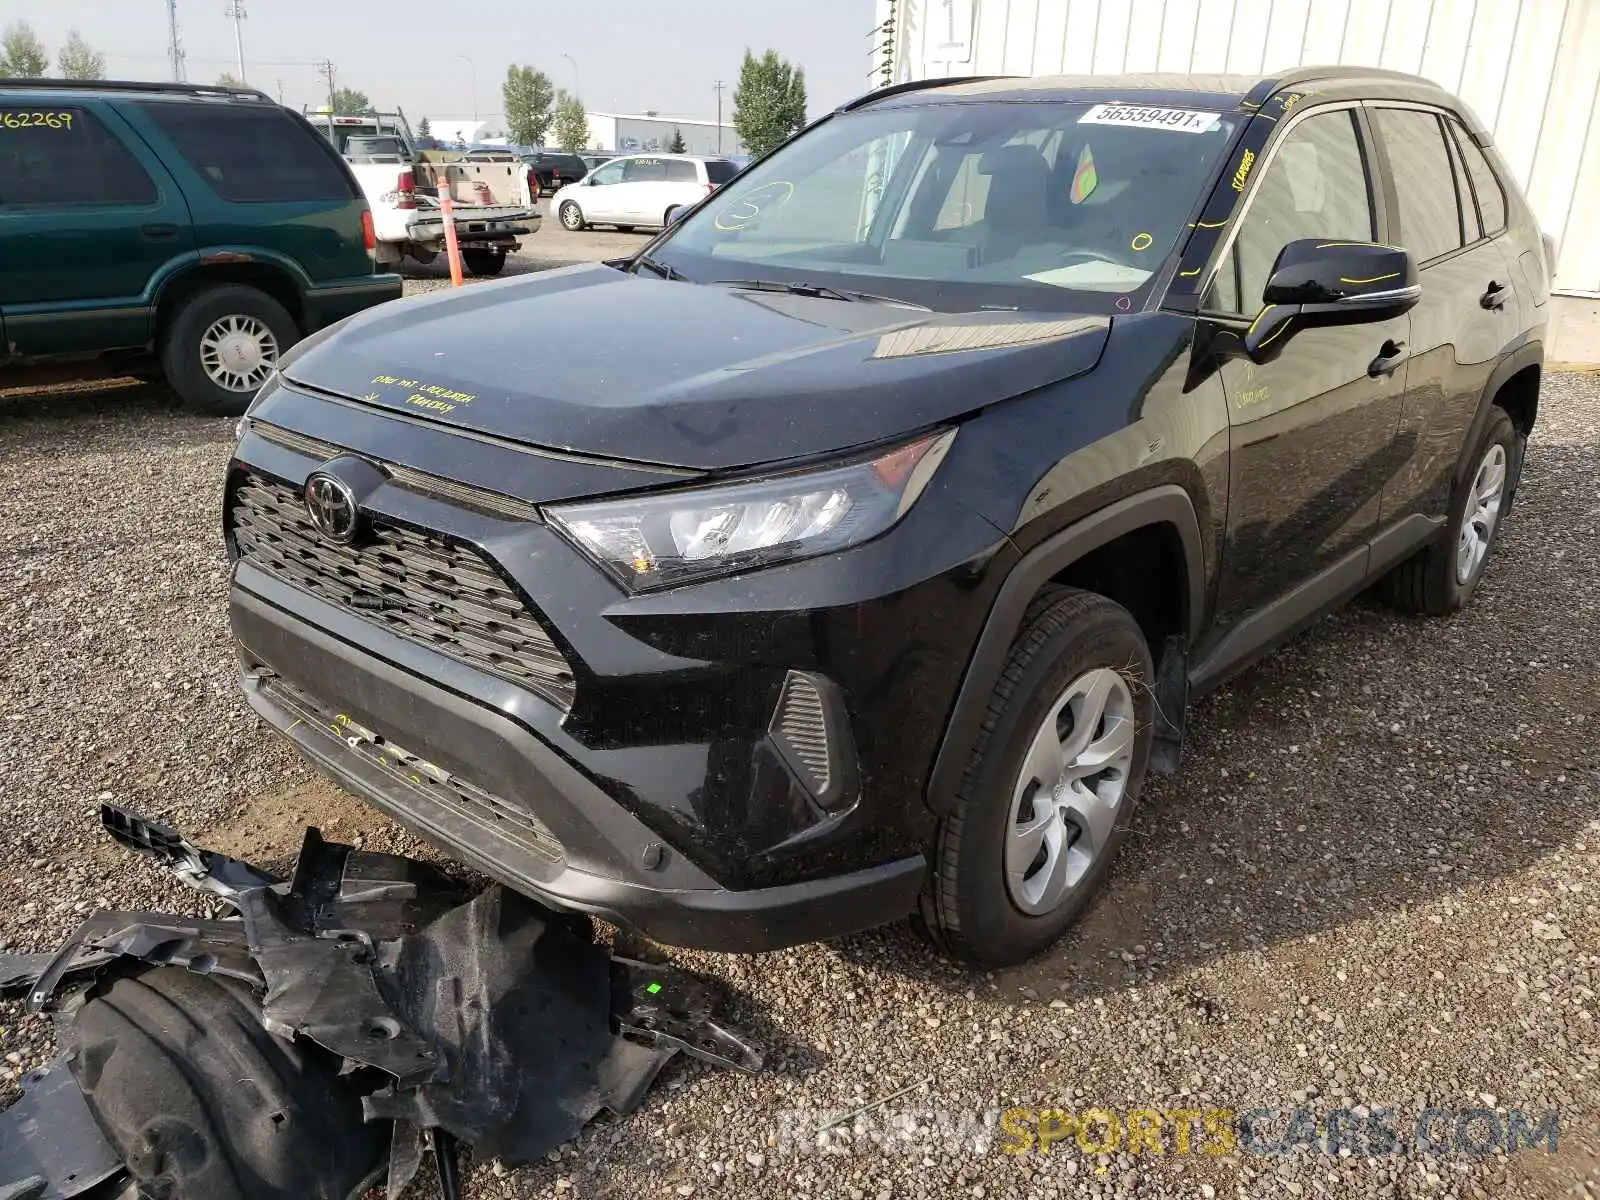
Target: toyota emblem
[(331, 505)]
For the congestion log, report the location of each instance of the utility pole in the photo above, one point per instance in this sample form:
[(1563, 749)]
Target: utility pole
[(236, 11), (279, 82), (174, 46), (325, 68), (718, 86)]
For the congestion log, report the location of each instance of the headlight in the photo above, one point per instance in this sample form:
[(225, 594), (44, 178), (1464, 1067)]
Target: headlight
[(665, 538)]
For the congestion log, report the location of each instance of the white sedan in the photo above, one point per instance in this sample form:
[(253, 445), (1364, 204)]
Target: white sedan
[(639, 189)]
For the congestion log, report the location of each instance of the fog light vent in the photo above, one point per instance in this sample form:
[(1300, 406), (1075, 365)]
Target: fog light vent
[(811, 732), (800, 727)]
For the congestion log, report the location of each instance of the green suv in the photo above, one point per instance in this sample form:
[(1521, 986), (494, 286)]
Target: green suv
[(172, 230)]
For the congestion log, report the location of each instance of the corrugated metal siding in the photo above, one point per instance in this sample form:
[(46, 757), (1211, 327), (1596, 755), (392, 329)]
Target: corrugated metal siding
[(1530, 68)]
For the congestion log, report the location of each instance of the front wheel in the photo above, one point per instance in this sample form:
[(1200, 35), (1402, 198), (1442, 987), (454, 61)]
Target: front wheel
[(1050, 786), (222, 345), (572, 217), (484, 262)]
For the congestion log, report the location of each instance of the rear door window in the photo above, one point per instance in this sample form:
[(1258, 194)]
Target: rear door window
[(1471, 228), (253, 154), (1430, 216), (720, 170), (680, 171), (52, 156)]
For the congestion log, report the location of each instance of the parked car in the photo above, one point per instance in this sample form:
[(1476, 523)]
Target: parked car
[(639, 189), (555, 169), (166, 230), (875, 576), (591, 161)]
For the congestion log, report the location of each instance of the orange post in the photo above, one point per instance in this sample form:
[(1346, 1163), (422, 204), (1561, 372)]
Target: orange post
[(452, 246)]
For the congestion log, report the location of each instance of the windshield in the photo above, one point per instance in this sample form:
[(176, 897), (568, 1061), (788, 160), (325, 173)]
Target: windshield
[(1054, 206)]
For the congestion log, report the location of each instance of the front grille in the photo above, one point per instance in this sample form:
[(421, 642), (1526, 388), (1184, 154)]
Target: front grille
[(423, 588), (417, 772)]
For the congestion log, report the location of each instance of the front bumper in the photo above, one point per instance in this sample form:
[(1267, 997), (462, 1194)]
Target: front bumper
[(604, 863), (660, 766)]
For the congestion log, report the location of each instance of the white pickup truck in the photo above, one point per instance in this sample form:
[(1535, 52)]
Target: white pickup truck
[(495, 202)]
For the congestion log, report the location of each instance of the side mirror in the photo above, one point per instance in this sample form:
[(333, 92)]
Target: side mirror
[(1316, 283)]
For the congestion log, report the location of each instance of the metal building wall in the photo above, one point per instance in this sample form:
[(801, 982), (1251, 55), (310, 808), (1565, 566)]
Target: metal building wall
[(1530, 68)]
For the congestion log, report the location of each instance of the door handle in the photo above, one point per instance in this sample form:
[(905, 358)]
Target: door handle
[(1495, 296), (1390, 355), (159, 232)]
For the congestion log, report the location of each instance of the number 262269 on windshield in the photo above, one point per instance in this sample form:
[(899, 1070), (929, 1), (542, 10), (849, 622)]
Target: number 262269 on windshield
[(1179, 120)]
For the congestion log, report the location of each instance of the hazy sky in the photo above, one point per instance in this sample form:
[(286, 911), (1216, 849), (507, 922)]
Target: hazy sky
[(630, 55)]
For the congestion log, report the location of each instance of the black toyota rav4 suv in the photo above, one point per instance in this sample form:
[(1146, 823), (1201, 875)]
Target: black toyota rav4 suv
[(957, 444)]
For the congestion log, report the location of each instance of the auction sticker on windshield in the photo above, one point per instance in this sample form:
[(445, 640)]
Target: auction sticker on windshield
[(1181, 120)]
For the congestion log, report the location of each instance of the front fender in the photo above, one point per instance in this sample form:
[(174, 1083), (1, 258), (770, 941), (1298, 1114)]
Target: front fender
[(1164, 505)]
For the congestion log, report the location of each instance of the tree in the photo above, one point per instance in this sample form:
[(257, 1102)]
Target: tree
[(676, 146), (527, 95), (570, 127), (769, 105), (347, 102), (424, 129), (226, 79), (79, 60), (22, 54)]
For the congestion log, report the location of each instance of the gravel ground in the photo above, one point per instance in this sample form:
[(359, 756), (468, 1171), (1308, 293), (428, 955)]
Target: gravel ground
[(1376, 882)]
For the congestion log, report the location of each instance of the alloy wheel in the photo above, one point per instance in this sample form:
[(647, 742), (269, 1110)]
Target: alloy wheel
[(1069, 792), (1482, 513)]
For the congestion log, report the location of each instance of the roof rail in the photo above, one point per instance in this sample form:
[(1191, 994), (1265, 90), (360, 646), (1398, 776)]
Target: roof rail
[(130, 85), (1300, 75), (917, 85)]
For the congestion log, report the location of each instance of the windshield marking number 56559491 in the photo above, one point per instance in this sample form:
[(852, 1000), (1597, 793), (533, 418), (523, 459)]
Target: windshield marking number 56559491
[(1179, 120)]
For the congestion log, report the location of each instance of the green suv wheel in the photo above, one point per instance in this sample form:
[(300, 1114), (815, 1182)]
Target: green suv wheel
[(222, 345)]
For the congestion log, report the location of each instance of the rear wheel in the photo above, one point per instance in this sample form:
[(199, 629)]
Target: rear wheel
[(222, 345), (1441, 578), (484, 262), (1051, 784), (572, 217), (666, 217)]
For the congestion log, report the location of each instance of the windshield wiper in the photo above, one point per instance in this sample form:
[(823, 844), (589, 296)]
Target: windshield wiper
[(660, 268), (818, 291)]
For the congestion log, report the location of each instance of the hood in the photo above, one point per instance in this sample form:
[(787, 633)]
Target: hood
[(599, 362)]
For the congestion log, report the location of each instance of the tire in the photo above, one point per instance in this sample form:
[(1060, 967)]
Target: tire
[(200, 1100), (572, 217), (484, 262), (666, 217), (182, 344), (1438, 579), (972, 907)]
